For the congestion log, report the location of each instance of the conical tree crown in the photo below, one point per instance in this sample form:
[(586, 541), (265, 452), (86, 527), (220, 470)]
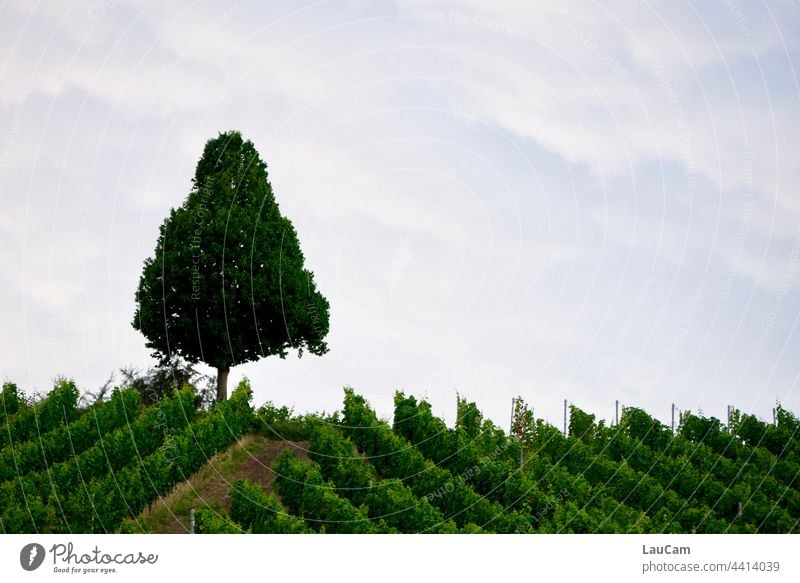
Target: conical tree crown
[(227, 282)]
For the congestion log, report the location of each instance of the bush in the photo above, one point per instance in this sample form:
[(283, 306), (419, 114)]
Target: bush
[(206, 521), (261, 513), (279, 423), (169, 376)]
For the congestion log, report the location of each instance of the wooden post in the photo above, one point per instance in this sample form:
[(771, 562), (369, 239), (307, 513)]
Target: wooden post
[(565, 417), (616, 412), (673, 418), (511, 422)]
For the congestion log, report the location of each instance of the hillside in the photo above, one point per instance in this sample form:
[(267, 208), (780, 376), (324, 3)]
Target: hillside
[(250, 458), (121, 466)]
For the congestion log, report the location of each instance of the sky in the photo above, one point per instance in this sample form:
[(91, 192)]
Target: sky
[(557, 200)]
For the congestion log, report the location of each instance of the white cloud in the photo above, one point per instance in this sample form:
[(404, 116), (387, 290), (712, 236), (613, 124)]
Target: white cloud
[(432, 157)]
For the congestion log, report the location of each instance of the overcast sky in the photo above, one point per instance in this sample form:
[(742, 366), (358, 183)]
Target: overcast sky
[(498, 198)]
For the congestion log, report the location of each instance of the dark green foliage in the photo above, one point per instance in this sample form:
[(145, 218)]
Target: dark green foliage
[(788, 422), (67, 441), (306, 494), (608, 479), (415, 422), (58, 408), (355, 479), (131, 526), (522, 422), (261, 513), (227, 283), (116, 450), (394, 457), (642, 426), (98, 472), (10, 402), (278, 423), (581, 425), (207, 521), (479, 454), (396, 504), (167, 377), (125, 493), (468, 417)]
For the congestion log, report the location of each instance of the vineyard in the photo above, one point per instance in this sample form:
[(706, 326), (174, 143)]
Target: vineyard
[(71, 469)]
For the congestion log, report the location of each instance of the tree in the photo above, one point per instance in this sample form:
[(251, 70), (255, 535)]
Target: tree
[(227, 282), (523, 424), (581, 424)]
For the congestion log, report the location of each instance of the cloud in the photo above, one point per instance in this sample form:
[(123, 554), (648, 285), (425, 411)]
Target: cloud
[(483, 191)]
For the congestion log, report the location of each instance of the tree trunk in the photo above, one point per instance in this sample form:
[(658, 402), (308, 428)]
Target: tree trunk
[(222, 383)]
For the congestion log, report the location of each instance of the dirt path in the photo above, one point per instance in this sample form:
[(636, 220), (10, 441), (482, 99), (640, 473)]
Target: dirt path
[(251, 458)]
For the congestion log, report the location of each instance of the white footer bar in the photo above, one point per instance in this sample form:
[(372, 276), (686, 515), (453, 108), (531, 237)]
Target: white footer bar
[(389, 558)]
